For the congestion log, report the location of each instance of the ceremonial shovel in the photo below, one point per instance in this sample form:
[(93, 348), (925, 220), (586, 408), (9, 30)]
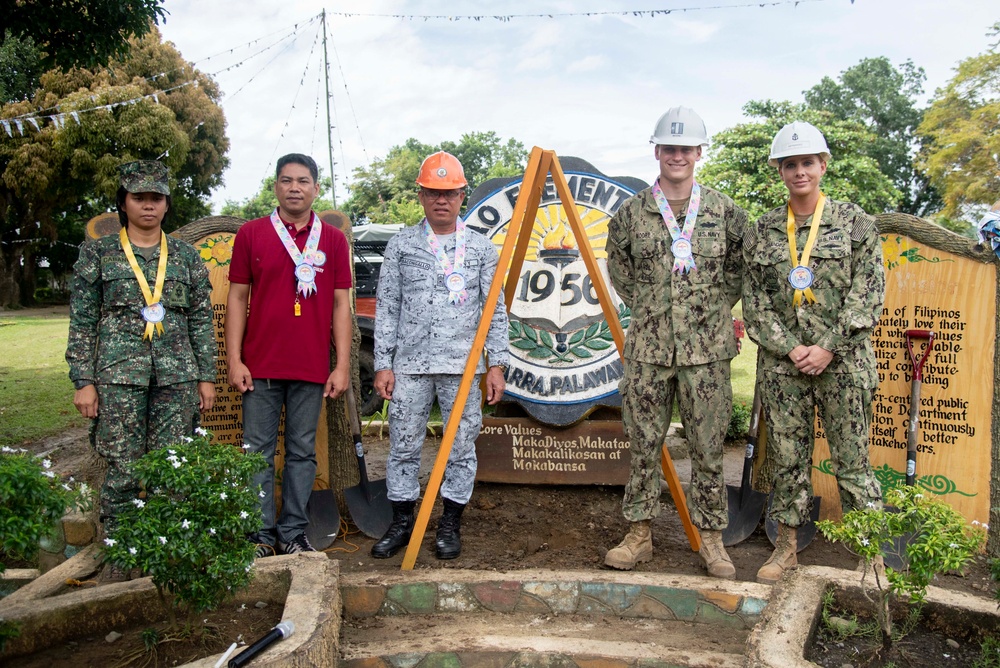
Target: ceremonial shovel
[(895, 552), (367, 501), (746, 505)]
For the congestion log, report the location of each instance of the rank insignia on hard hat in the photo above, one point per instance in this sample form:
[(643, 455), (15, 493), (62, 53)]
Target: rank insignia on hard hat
[(145, 176), (676, 128)]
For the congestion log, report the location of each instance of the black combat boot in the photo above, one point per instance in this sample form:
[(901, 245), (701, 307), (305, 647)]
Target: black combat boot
[(397, 536), (449, 538)]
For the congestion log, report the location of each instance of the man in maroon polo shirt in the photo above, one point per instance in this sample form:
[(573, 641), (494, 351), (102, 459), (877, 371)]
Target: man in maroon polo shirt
[(293, 271)]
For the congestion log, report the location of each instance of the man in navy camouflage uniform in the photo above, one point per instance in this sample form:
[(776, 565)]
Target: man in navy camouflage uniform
[(681, 280), (814, 328), (141, 369), (432, 287)]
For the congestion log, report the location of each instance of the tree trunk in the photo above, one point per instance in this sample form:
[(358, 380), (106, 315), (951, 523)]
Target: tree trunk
[(10, 275), (29, 268), (343, 470)]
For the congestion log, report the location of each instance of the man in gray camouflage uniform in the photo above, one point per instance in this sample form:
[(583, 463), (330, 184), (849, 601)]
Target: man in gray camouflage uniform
[(141, 384), (432, 287), (815, 348), (681, 339)]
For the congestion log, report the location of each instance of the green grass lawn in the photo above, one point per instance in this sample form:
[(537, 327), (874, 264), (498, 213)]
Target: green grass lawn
[(744, 367), (36, 395)]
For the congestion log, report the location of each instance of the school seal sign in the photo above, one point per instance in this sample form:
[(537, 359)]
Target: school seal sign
[(564, 363)]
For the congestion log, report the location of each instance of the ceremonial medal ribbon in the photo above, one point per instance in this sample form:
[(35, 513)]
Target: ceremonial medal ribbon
[(454, 278), (681, 246), (802, 264), (154, 312), (307, 261)]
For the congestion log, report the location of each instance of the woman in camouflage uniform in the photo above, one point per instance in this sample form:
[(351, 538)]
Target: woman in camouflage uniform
[(141, 348), (812, 296)]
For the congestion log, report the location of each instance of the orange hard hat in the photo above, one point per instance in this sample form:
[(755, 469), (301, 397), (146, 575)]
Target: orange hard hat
[(441, 171)]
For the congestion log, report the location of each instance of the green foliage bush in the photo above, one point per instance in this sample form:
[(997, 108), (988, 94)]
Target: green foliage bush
[(936, 540), (33, 499), (739, 421), (189, 532)]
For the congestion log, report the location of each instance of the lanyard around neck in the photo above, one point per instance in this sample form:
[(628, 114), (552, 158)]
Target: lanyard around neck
[(801, 276), (153, 312)]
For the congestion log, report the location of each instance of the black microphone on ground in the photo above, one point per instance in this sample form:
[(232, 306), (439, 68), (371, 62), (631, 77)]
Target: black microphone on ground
[(282, 630)]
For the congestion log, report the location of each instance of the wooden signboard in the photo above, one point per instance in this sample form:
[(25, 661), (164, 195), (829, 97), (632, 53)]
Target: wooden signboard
[(213, 238), (523, 450), (935, 281)]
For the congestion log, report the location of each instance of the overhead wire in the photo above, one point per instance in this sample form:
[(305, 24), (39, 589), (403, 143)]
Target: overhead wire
[(295, 97), (319, 85), (38, 113), (354, 114), (506, 18)]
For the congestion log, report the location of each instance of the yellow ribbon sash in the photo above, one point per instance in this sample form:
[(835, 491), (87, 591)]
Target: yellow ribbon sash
[(800, 273), (154, 311)]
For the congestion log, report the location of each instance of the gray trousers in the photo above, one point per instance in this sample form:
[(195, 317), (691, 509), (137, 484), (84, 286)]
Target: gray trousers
[(261, 413), (412, 398)]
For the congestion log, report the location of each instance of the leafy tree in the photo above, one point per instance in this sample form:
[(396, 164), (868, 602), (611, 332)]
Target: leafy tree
[(265, 201), (960, 133), (20, 66), (738, 164), (386, 191), (79, 33), (883, 98), (55, 177)]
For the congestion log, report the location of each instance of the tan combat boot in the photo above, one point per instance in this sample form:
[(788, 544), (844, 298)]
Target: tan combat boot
[(782, 558), (713, 553), (636, 548)]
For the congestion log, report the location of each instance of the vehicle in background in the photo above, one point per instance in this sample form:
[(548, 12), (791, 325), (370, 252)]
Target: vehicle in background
[(369, 248)]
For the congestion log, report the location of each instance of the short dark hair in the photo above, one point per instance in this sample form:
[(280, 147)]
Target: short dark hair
[(297, 159), (120, 205)]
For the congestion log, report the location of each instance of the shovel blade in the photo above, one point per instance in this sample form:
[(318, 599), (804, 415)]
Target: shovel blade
[(894, 551), (371, 512), (805, 533), (324, 518), (743, 517)]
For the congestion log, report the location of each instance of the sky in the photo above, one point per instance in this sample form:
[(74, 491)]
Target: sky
[(586, 86)]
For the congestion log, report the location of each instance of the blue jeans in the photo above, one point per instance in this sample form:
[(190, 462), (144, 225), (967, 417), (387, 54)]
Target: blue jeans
[(261, 414)]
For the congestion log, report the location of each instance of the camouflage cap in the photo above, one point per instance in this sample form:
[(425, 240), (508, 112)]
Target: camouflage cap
[(145, 176)]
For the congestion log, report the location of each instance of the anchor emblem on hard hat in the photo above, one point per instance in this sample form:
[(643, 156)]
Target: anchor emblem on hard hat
[(795, 136)]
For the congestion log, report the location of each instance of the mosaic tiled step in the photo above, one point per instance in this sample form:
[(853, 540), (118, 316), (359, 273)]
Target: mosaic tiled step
[(511, 639), (521, 618)]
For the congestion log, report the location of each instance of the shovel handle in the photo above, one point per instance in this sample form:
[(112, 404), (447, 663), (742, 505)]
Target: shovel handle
[(752, 433), (915, 383), (918, 364), (359, 448)]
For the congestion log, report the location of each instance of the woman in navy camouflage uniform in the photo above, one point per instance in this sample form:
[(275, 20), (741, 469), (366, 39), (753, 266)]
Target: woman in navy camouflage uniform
[(141, 348), (811, 298)]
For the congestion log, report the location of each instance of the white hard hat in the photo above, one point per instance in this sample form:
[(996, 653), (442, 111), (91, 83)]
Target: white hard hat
[(680, 126), (798, 138)]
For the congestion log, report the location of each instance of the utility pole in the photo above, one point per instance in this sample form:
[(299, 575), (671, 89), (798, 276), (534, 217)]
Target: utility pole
[(329, 126)]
